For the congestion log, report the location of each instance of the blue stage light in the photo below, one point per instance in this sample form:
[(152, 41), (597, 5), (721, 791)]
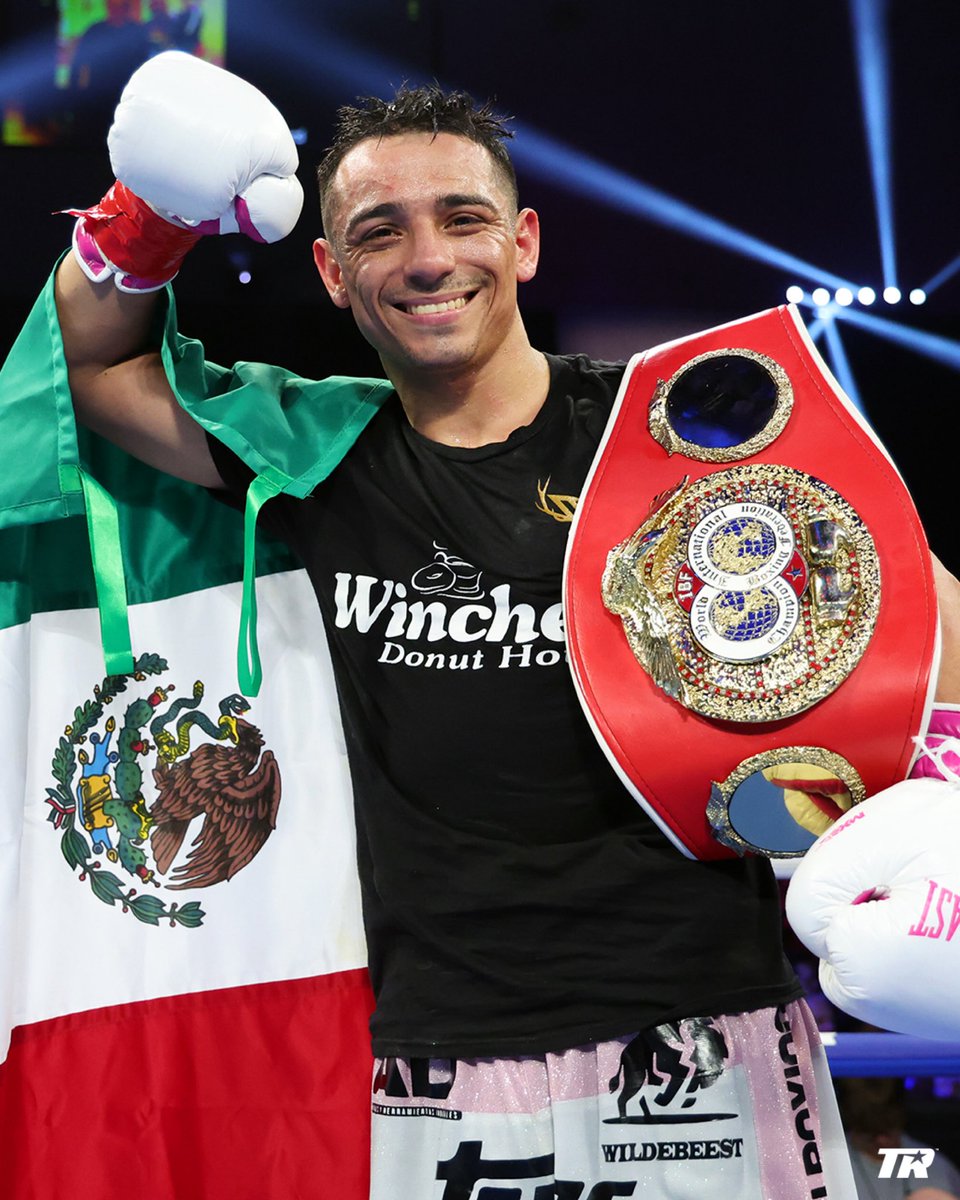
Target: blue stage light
[(866, 295), (892, 295), (844, 296), (588, 176), (26, 69), (840, 364), (932, 345), (942, 276), (918, 296), (868, 17), (346, 66), (795, 294), (816, 329)]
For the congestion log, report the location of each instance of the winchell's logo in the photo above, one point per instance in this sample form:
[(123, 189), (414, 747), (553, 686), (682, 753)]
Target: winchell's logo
[(447, 618), (447, 575)]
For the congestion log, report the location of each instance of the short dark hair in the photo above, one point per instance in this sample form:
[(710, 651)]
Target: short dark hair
[(418, 110)]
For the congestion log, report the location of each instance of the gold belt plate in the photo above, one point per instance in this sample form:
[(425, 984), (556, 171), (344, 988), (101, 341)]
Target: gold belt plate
[(749, 594)]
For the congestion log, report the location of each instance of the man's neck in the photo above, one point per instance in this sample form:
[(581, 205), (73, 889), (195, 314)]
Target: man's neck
[(479, 405)]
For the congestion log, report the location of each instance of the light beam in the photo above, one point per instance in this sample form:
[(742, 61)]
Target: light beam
[(932, 345), (941, 276), (870, 38), (346, 65), (839, 363), (578, 172), (549, 158)]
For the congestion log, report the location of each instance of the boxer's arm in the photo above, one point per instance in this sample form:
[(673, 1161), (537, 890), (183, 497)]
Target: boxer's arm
[(117, 380), (196, 151)]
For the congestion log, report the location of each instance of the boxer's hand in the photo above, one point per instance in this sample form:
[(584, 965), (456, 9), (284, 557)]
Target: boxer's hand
[(877, 899), (195, 151), (190, 139)]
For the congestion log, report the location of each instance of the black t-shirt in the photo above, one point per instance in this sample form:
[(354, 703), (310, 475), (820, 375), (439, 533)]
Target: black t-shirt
[(516, 898)]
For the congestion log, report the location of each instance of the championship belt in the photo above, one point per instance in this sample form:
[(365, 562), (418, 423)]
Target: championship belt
[(748, 595)]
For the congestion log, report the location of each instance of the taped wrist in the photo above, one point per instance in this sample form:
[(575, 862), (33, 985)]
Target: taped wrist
[(124, 237)]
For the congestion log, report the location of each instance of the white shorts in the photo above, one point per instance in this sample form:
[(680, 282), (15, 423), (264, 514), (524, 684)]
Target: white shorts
[(708, 1108)]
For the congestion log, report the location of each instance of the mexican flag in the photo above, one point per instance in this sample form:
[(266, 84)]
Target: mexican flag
[(183, 994)]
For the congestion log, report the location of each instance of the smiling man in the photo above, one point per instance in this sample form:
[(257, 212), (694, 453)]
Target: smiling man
[(566, 1006), (426, 248)]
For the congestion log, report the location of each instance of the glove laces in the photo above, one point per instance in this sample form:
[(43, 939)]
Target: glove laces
[(938, 750)]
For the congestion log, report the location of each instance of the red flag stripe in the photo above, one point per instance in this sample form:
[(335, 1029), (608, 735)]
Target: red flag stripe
[(249, 1093)]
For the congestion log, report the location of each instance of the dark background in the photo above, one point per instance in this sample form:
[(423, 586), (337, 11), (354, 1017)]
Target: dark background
[(747, 110)]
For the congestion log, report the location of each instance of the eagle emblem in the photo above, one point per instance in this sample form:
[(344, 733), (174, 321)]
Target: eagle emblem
[(202, 814)]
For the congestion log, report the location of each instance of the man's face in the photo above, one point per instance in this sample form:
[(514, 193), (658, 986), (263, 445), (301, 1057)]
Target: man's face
[(426, 248)]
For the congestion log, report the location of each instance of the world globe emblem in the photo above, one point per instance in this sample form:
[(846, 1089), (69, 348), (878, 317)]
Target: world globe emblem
[(745, 616), (743, 608), (742, 545)]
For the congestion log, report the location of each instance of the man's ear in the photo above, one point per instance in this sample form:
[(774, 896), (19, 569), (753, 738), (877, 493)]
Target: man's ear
[(528, 244), (330, 273)]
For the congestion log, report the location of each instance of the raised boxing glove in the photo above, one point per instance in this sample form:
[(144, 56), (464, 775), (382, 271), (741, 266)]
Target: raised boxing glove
[(196, 151), (877, 899)]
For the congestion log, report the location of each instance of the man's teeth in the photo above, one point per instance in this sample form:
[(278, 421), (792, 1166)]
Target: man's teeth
[(446, 306)]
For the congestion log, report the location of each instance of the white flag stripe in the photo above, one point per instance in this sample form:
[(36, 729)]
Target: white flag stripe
[(294, 911), (15, 710)]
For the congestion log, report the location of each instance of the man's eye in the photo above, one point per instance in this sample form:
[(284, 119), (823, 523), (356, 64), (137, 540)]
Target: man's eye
[(378, 233), (465, 220)]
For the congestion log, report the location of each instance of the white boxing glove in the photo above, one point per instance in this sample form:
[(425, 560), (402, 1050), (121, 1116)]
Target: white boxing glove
[(877, 899), (195, 151)]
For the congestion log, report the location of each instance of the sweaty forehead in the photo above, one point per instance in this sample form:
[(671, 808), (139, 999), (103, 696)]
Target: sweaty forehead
[(410, 170)]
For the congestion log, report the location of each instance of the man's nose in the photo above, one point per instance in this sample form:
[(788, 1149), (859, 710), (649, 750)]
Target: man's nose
[(431, 257)]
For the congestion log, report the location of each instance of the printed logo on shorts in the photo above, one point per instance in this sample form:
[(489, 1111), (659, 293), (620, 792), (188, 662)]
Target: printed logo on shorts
[(804, 1123), (416, 1081), (663, 1070), (527, 1178)]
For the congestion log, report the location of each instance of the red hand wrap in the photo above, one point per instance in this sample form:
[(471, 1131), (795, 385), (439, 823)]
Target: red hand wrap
[(133, 238)]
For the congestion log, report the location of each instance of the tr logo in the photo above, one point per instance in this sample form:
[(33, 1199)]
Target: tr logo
[(912, 1162)]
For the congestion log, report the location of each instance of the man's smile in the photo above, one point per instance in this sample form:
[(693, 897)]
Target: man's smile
[(424, 308)]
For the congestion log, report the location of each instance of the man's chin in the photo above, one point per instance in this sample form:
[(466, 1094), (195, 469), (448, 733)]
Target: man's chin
[(437, 358)]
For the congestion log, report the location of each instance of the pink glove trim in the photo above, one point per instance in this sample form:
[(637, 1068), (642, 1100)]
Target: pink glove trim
[(127, 235), (245, 222), (940, 748), (89, 257)]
